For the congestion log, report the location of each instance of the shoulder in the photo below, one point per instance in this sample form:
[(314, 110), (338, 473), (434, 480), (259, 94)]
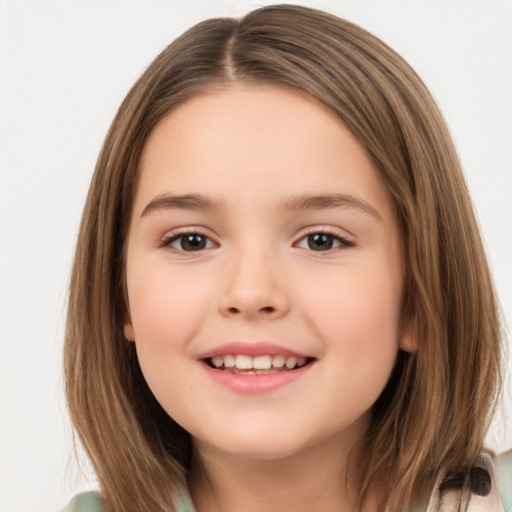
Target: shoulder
[(491, 490), (86, 502), (91, 502), (504, 476)]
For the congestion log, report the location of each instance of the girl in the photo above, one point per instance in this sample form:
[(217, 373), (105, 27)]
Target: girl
[(280, 299)]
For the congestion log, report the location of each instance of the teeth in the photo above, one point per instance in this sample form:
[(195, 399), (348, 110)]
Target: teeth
[(243, 362), (265, 362), (278, 361), (229, 361), (262, 362), (301, 361), (291, 362)]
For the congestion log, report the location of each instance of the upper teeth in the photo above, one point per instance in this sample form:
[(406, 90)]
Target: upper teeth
[(244, 362)]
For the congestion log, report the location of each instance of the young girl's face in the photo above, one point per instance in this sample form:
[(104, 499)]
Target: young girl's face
[(265, 274)]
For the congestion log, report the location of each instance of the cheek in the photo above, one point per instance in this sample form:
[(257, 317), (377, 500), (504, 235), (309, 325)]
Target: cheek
[(359, 327), (164, 314), (358, 316), (165, 308)]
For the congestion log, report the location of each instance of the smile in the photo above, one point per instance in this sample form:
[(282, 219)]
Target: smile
[(255, 367), (258, 365)]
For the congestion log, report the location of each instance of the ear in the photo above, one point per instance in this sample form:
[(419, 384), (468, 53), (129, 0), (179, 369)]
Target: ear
[(408, 341), (129, 333)]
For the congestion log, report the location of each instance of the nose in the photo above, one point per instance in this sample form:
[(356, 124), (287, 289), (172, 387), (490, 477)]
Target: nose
[(254, 289)]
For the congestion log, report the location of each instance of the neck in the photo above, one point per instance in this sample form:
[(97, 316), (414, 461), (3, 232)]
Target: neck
[(319, 478)]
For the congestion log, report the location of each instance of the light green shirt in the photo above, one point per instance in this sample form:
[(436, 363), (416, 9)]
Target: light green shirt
[(91, 502), (504, 473)]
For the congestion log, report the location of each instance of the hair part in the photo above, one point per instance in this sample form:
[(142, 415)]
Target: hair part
[(435, 411)]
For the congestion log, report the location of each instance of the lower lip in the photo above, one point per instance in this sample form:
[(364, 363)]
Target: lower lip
[(253, 383)]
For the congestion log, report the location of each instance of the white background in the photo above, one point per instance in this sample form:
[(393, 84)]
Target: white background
[(65, 67)]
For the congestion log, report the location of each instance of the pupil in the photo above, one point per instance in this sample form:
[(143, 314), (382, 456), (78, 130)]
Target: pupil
[(320, 242), (193, 242)]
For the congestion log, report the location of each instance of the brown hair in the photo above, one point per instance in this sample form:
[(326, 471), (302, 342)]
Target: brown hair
[(435, 411)]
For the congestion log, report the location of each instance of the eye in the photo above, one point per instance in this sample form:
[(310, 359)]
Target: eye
[(323, 242), (189, 242)]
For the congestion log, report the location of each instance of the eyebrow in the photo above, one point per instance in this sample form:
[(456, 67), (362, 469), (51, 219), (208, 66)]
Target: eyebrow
[(196, 202), (320, 202), (199, 202)]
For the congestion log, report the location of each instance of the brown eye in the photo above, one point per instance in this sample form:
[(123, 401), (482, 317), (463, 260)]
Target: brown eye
[(320, 242), (190, 242), (323, 242)]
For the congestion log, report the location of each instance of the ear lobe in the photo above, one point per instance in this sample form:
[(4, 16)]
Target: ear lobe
[(129, 333), (408, 341)]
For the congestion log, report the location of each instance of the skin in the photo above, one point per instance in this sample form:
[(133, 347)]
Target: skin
[(249, 149)]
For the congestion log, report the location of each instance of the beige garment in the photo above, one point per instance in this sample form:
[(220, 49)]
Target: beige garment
[(450, 501)]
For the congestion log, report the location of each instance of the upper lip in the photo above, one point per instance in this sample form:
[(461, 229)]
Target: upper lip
[(253, 349)]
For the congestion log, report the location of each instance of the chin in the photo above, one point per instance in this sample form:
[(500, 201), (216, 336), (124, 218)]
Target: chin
[(265, 452), (261, 453), (254, 447)]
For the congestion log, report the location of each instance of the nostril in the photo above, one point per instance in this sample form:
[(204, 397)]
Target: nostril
[(268, 309)]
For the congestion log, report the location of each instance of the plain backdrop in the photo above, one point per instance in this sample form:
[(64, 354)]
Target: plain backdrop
[(65, 67)]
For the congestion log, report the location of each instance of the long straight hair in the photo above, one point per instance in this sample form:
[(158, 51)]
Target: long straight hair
[(436, 408)]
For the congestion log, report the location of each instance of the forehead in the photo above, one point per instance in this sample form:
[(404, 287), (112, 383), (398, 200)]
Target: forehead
[(249, 143)]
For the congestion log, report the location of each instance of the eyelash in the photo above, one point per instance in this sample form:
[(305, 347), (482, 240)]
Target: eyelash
[(174, 237), (343, 242)]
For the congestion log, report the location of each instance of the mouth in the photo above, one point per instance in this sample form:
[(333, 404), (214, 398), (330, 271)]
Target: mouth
[(243, 364)]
